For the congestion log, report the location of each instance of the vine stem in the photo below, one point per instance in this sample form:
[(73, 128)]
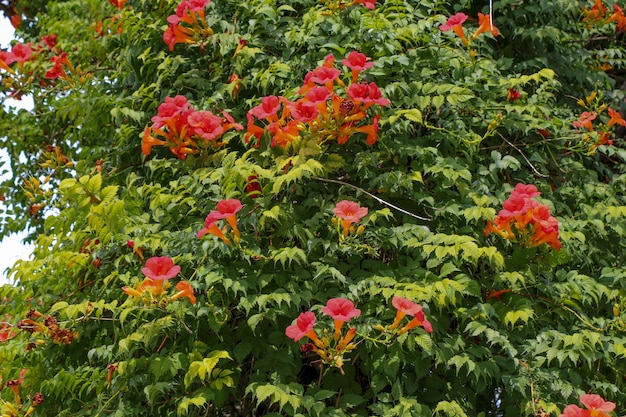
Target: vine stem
[(380, 200), (525, 158)]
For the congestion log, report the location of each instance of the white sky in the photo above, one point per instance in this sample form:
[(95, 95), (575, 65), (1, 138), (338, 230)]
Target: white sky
[(11, 248)]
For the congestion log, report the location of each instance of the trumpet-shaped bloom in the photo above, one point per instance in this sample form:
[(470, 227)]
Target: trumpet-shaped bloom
[(596, 407), (304, 111), (184, 290), (22, 52), (525, 190), (572, 411), (268, 109), (160, 268), (455, 23), (368, 4), (6, 330), (171, 107), (513, 94), (404, 307), (367, 93), (325, 76), (619, 17), (484, 24), (357, 61), (341, 310), (350, 211), (229, 207), (317, 95), (211, 227), (417, 321), (596, 402), (616, 118), (585, 120), (205, 124), (304, 325)]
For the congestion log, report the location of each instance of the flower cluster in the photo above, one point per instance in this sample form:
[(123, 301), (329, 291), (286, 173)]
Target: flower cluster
[(188, 24), (330, 350), (10, 409), (599, 14), (595, 406), (348, 213), (327, 109), (225, 210), (525, 220), (594, 136), (158, 270), (49, 327), (455, 23), (184, 130), (32, 66)]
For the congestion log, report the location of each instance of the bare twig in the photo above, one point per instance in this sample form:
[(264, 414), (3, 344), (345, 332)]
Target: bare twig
[(532, 167)]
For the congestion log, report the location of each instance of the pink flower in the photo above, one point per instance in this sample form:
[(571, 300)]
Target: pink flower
[(171, 107), (525, 190), (205, 124), (160, 268), (572, 411), (49, 40), (226, 209), (405, 307), (325, 76), (357, 62), (453, 21), (350, 211), (341, 310), (369, 4), (229, 207), (211, 227), (304, 324), (317, 95), (418, 320), (595, 402), (585, 120), (304, 111), (268, 109), (193, 6), (367, 93), (22, 52)]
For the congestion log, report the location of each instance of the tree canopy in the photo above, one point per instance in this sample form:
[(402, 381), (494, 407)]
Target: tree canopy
[(315, 208)]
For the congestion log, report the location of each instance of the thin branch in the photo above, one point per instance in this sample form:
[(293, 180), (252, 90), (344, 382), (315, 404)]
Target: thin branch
[(380, 200), (524, 156)]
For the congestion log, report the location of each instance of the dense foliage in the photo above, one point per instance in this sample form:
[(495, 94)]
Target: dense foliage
[(315, 208)]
